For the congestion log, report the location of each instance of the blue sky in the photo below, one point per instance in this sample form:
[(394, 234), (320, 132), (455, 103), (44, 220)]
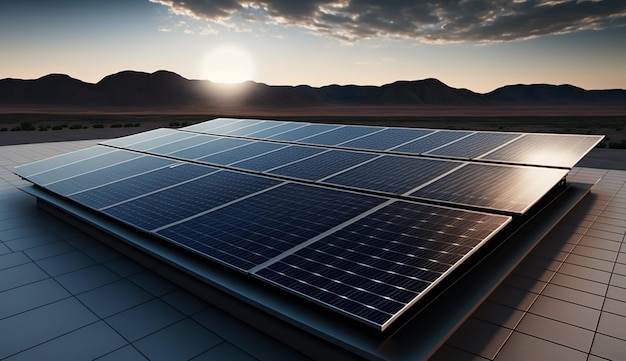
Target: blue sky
[(475, 44)]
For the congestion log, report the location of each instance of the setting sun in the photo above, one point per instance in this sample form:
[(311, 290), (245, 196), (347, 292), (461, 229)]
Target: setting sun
[(228, 64)]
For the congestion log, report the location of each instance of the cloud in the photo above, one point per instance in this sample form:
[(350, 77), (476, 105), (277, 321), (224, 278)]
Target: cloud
[(428, 21)]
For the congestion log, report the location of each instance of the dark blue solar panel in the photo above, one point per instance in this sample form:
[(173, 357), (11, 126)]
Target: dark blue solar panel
[(373, 268), (430, 142), (209, 148), (139, 137), (166, 139), (304, 132), (179, 145), (241, 153), (108, 174), (323, 165), (261, 125), (30, 169), (281, 128), (239, 124), (475, 145), (394, 174), (252, 231), (386, 139), (126, 189), (504, 188), (188, 199), (277, 158), (339, 135), (84, 166), (209, 125)]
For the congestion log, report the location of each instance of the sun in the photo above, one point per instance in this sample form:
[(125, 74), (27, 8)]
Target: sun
[(228, 64)]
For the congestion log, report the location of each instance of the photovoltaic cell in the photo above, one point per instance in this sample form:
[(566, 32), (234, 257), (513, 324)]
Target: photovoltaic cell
[(185, 200), (239, 124), (339, 135), (247, 233), (511, 189), (139, 137), (240, 153), (474, 145), (277, 158), (273, 131), (554, 150), (179, 145), (323, 164), (430, 142), (126, 189), (210, 125), (375, 267), (84, 166), (262, 125), (108, 174), (303, 132), (156, 142), (214, 146), (393, 174), (30, 169), (386, 139)]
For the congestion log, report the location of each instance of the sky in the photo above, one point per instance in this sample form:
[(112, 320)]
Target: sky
[(474, 44)]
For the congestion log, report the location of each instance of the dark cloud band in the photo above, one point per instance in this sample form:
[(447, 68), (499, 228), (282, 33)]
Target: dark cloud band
[(430, 20)]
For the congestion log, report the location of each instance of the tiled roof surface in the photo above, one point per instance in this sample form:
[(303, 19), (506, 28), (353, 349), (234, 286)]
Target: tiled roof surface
[(64, 295)]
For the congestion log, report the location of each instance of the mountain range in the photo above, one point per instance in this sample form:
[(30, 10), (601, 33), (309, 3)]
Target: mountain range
[(163, 89)]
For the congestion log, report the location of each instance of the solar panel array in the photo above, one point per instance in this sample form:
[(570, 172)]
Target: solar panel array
[(363, 220)]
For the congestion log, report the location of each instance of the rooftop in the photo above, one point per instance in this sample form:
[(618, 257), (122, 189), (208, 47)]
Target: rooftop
[(60, 290)]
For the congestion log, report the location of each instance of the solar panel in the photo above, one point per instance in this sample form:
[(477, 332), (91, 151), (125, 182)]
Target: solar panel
[(504, 188), (129, 188), (334, 217), (240, 153), (249, 232), (339, 135), (188, 199), (323, 165), (555, 150), (474, 145), (386, 139), (376, 267), (277, 158), (108, 174), (393, 174), (45, 165), (430, 141), (83, 166)]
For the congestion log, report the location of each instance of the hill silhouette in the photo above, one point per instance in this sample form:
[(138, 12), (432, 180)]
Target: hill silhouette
[(164, 89)]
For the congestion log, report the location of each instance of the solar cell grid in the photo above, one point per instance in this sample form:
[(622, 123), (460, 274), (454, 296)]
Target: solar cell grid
[(185, 200), (506, 188), (393, 174), (373, 268), (554, 150), (323, 164), (277, 158), (211, 147), (156, 142), (430, 141), (30, 169), (108, 174), (145, 183), (84, 166), (303, 132), (386, 139), (139, 137), (249, 232), (240, 153), (339, 135), (253, 128), (210, 125), (182, 144), (273, 131), (474, 145), (233, 126)]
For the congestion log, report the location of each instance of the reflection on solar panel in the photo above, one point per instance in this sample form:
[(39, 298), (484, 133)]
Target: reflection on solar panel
[(349, 217), (376, 267)]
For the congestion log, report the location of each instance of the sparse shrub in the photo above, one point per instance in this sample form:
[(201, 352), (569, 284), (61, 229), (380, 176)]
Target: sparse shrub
[(619, 129), (616, 145), (16, 129), (98, 126), (128, 125), (4, 129), (76, 126), (64, 126), (27, 126), (115, 125), (174, 124), (43, 128), (57, 127), (184, 124), (137, 125)]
